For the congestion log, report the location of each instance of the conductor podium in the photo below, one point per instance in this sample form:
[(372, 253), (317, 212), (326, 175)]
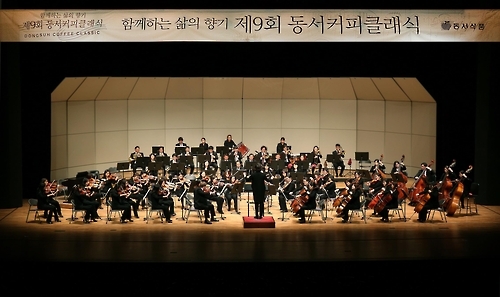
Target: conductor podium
[(265, 222)]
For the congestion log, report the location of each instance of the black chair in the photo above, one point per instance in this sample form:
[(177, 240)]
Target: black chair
[(471, 198)]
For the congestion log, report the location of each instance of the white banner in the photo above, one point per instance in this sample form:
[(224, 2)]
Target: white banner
[(250, 25)]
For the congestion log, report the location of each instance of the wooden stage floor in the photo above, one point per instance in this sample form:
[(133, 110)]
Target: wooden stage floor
[(461, 243)]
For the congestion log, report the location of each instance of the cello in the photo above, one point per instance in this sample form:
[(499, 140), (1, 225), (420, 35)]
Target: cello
[(300, 200)]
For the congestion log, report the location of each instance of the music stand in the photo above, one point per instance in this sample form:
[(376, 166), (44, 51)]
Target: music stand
[(210, 172), (177, 167), (250, 166), (277, 165), (178, 150), (297, 176), (196, 151), (200, 160), (122, 167), (186, 160), (362, 157), (302, 166), (225, 165), (155, 148), (141, 162), (221, 150), (155, 166)]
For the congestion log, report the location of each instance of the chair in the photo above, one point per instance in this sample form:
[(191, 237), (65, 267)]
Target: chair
[(432, 211), (190, 207), (75, 211), (150, 210), (318, 209), (399, 210), (472, 195), (110, 211), (361, 210), (33, 206)]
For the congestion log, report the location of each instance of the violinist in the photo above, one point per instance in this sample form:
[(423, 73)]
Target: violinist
[(47, 202), (268, 171), (212, 158), (92, 194), (286, 189), (377, 166), (134, 156), (108, 180), (217, 189), (231, 194), (355, 192), (203, 145), (161, 200), (201, 201), (134, 195), (119, 201), (281, 146), (310, 189), (83, 200), (181, 187), (338, 160)]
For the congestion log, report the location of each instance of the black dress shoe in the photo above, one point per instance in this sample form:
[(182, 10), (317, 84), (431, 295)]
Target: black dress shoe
[(123, 221), (49, 222), (169, 221), (130, 220), (94, 220), (214, 220), (302, 221), (60, 215), (207, 222), (57, 220), (256, 217)]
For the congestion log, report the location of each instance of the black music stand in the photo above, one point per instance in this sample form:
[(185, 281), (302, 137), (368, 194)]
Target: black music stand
[(271, 190), (155, 149), (277, 166), (221, 150), (200, 160), (186, 160), (225, 165), (250, 166), (197, 151), (247, 187), (155, 166), (176, 168), (362, 157), (330, 158), (297, 176), (210, 172), (178, 150), (142, 162), (122, 167), (302, 166)]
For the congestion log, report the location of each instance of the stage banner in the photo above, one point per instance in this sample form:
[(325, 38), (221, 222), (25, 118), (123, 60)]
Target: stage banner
[(250, 25)]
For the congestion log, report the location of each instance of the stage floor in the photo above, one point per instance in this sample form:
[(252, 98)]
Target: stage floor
[(461, 237)]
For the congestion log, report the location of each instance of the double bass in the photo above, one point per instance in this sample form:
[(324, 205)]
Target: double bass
[(457, 194), (418, 187)]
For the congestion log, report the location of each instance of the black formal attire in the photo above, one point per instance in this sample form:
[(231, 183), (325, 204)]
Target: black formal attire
[(354, 203), (262, 158), (393, 203), (162, 155), (212, 159), (258, 179), (189, 165), (432, 203), (285, 194), (231, 195), (339, 163), (133, 160), (429, 174), (120, 202), (204, 147), (202, 201), (218, 196), (401, 169), (373, 169), (135, 199), (46, 203), (82, 201), (310, 204), (151, 171), (316, 161), (467, 182), (165, 203), (229, 144), (280, 147)]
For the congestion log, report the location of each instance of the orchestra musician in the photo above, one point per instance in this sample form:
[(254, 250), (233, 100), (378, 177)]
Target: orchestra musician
[(152, 160), (250, 160), (217, 189), (83, 200), (174, 160), (134, 196), (263, 155), (201, 201), (238, 166), (235, 155), (161, 200), (229, 143), (180, 142), (390, 189), (133, 157), (286, 155), (398, 167), (375, 186), (327, 186), (376, 166), (203, 145), (338, 161), (426, 171), (316, 159), (231, 195), (258, 180), (354, 203), (120, 201), (46, 202), (187, 153), (280, 147), (212, 158), (161, 153), (309, 185), (467, 182), (181, 187), (286, 189), (277, 160)]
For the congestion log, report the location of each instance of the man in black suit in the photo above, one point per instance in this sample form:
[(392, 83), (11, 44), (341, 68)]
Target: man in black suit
[(202, 201), (159, 200), (258, 179)]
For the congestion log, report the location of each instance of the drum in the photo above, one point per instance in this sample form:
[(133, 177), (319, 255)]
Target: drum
[(242, 148)]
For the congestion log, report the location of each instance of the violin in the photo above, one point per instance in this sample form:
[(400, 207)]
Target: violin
[(51, 189)]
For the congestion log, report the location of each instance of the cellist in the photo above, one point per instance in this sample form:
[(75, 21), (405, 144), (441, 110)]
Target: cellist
[(311, 190), (354, 203)]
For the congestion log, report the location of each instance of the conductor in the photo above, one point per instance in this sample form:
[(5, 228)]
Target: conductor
[(258, 179)]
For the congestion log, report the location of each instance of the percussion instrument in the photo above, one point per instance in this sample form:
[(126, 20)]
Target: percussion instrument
[(242, 148)]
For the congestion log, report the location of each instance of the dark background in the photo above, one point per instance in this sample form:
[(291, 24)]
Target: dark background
[(449, 71)]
